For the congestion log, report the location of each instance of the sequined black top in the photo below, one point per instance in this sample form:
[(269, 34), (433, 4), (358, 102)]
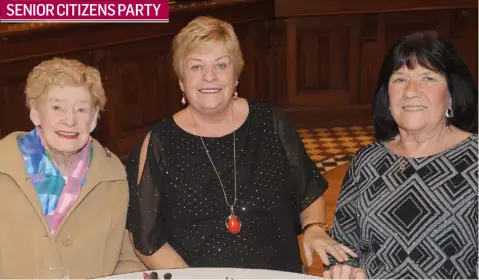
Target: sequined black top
[(180, 201)]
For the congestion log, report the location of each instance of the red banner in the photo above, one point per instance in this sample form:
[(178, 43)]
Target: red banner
[(14, 11)]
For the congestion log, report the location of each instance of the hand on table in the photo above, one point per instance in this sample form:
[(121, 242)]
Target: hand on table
[(343, 271), (317, 240)]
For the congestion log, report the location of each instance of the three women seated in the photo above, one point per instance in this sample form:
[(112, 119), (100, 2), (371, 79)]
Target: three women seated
[(227, 182)]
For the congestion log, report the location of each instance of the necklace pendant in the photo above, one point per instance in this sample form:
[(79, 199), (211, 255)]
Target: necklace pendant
[(233, 224)]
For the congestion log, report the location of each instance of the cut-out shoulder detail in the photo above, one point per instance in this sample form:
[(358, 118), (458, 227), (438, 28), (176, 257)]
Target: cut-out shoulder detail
[(142, 159), (179, 200)]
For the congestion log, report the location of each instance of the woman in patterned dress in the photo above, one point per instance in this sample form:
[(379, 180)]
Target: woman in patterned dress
[(408, 203)]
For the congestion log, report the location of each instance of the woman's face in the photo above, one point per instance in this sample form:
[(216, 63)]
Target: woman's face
[(66, 116), (209, 77), (418, 98)]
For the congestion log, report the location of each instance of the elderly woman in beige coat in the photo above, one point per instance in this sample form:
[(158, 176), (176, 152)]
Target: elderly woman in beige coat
[(63, 197)]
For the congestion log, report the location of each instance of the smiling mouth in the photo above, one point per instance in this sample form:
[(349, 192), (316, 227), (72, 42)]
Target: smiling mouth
[(210, 90), (414, 108), (67, 135)]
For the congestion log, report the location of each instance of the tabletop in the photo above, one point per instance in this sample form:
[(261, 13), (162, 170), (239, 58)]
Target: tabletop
[(214, 273)]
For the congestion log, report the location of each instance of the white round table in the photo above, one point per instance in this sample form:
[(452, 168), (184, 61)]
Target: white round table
[(217, 273)]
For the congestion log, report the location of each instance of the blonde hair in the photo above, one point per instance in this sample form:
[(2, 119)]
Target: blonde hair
[(202, 30), (63, 72)]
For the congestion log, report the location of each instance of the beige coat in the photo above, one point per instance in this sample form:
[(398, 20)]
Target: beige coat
[(91, 242)]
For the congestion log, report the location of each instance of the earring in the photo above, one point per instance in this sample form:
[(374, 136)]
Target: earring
[(235, 95), (183, 100), (449, 113)]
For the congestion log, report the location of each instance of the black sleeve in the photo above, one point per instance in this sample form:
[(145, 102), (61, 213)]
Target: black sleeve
[(307, 182), (145, 220)]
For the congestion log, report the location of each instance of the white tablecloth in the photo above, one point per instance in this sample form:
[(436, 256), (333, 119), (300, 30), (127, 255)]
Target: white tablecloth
[(217, 273)]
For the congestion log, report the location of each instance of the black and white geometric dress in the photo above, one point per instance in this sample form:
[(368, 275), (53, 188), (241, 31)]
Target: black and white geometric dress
[(411, 217)]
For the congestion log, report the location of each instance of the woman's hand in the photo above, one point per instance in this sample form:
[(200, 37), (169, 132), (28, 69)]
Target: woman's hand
[(343, 271), (316, 239)]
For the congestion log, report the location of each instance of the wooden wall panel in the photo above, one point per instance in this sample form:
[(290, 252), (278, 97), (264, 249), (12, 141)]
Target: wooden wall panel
[(368, 65), (333, 61), (254, 43), (13, 113), (464, 26), (396, 25), (136, 78), (318, 61), (277, 67), (298, 8), (322, 59)]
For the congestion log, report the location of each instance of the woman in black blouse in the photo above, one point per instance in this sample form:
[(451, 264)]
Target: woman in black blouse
[(225, 182), (409, 202)]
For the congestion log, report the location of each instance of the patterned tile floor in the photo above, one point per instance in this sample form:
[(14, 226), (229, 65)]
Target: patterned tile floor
[(332, 147)]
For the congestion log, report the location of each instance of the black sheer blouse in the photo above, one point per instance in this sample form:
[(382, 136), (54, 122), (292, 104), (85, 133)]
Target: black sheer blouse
[(179, 199)]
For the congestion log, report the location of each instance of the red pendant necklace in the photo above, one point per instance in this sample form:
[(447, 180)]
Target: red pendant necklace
[(233, 223)]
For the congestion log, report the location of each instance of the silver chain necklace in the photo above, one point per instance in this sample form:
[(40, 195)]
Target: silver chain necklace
[(233, 224), (231, 206)]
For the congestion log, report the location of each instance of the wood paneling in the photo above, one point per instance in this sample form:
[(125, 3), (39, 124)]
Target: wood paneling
[(322, 60), (139, 87), (13, 113), (317, 60), (333, 60), (255, 46), (463, 34), (288, 8), (135, 63)]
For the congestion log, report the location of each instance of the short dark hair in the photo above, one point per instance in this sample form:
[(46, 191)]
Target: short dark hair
[(429, 50)]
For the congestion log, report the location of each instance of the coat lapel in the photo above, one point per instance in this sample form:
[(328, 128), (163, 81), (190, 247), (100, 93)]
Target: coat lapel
[(15, 168), (104, 167)]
